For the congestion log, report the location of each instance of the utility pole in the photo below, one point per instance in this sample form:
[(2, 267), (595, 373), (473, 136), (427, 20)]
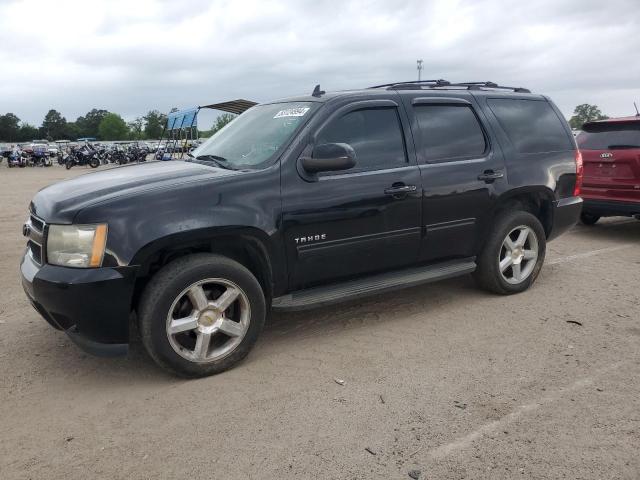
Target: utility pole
[(419, 69)]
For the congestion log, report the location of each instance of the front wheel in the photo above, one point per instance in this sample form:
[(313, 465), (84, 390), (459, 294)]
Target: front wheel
[(69, 164), (589, 218), (201, 314), (94, 163), (513, 254)]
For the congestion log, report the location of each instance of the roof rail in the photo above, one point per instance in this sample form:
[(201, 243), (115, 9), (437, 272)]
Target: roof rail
[(478, 85), (416, 83), (446, 84)]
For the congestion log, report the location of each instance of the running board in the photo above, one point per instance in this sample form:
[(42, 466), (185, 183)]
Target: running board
[(385, 282)]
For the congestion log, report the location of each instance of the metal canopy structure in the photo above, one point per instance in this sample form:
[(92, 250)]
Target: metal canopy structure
[(182, 125), (234, 106)]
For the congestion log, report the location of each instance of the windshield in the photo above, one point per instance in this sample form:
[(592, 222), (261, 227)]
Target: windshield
[(256, 136), (610, 136)]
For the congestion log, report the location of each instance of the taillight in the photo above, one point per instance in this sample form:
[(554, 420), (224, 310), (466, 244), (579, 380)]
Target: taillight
[(579, 174)]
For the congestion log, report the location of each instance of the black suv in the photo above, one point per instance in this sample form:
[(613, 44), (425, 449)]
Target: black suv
[(299, 203)]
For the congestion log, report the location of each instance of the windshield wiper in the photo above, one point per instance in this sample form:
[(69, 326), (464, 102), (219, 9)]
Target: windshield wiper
[(217, 160)]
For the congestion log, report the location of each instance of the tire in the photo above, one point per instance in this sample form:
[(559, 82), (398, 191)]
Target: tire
[(488, 274), (165, 298), (94, 163), (589, 218)]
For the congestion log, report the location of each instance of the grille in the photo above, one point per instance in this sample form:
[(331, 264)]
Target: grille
[(36, 236)]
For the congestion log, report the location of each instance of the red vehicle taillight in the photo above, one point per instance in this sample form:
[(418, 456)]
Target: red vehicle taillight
[(579, 174)]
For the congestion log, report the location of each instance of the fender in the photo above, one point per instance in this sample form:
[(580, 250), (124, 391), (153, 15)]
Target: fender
[(196, 213)]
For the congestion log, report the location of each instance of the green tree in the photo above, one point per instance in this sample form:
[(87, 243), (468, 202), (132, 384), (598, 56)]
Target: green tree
[(54, 125), (218, 124), (27, 133), (585, 113), (136, 129), (154, 122), (221, 121), (72, 131), (9, 127), (89, 124), (113, 127)]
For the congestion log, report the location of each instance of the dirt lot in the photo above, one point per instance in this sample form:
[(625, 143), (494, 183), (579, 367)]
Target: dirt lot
[(443, 379)]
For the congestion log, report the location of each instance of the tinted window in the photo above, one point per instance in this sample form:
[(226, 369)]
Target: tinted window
[(609, 136), (449, 132), (375, 135), (532, 125)]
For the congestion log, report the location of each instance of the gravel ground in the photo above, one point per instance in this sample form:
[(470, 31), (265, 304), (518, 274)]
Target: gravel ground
[(440, 381)]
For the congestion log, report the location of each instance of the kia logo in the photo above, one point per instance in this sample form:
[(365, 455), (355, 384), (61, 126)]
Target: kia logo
[(26, 230), (606, 155)]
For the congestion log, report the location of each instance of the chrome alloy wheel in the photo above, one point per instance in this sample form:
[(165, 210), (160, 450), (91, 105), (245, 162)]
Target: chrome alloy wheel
[(518, 255), (208, 320)]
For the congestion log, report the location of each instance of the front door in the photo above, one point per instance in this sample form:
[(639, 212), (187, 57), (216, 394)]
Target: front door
[(366, 219)]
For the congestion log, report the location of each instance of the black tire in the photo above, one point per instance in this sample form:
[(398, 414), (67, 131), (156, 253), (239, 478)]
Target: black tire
[(167, 285), (94, 163), (487, 274), (589, 218), (68, 165)]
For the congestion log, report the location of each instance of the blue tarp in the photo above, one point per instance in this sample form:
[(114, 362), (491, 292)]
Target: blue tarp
[(182, 119)]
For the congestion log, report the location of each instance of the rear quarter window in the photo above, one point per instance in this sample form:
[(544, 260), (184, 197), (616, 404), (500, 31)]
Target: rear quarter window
[(532, 125)]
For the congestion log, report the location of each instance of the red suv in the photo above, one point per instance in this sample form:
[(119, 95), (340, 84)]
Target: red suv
[(611, 155)]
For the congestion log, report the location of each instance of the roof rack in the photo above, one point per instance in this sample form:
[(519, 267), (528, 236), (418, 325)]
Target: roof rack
[(446, 84)]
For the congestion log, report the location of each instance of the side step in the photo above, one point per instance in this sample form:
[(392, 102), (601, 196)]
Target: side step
[(362, 287)]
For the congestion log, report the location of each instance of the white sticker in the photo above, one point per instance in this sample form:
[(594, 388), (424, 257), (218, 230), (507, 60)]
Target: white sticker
[(292, 112)]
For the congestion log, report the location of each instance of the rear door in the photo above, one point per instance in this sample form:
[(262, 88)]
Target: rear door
[(611, 156), (461, 171)]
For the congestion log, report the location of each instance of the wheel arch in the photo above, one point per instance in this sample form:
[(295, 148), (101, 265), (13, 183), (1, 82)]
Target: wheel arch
[(248, 246), (537, 200)]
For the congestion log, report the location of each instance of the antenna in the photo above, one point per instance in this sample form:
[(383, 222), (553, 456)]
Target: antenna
[(317, 92), (637, 112), (419, 64)]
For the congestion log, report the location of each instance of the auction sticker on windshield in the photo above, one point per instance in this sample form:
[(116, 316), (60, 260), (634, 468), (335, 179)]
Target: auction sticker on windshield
[(292, 112)]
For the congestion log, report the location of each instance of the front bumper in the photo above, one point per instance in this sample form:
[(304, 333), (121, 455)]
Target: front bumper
[(566, 213), (91, 305)]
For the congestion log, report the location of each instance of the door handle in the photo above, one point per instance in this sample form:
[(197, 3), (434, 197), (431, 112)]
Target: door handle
[(400, 189), (489, 176)]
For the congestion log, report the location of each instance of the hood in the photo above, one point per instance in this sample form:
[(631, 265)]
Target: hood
[(60, 202)]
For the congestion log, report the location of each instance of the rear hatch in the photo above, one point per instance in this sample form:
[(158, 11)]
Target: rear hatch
[(611, 155)]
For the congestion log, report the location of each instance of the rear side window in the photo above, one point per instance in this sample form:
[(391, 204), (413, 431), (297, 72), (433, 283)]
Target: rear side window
[(532, 125), (449, 132), (609, 136), (374, 133)]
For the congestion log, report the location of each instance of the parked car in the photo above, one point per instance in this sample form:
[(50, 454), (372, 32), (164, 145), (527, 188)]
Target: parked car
[(611, 154), (302, 203)]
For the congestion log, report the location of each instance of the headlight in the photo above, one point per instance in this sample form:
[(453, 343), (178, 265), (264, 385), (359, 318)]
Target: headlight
[(80, 246)]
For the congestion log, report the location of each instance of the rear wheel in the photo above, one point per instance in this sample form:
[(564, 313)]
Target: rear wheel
[(513, 254), (589, 218), (201, 314)]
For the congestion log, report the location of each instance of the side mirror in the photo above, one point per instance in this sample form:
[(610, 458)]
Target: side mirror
[(329, 157)]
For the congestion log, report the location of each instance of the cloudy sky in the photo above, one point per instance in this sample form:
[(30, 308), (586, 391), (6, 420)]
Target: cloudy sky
[(130, 56)]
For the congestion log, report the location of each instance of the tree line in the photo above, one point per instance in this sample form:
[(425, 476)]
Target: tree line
[(97, 123)]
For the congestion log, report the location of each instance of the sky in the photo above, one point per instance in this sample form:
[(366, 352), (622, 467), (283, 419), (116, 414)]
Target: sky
[(131, 56)]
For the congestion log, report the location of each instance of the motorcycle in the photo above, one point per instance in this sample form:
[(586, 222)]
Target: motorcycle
[(86, 155), (17, 160)]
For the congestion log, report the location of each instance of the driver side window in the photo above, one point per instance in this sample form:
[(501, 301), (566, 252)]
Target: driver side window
[(374, 133)]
